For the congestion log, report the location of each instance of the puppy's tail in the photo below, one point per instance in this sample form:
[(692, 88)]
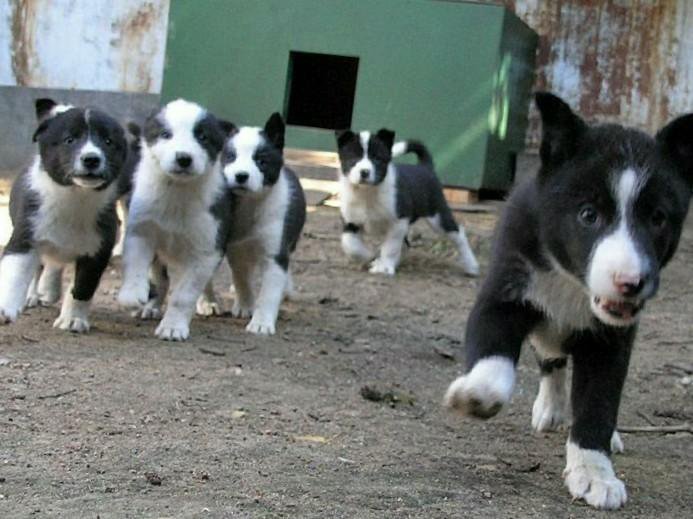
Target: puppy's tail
[(416, 147)]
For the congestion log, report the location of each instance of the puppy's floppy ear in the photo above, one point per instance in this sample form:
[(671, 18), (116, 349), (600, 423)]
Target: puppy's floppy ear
[(676, 139), (561, 129), (43, 106), (343, 136), (134, 129), (41, 128), (387, 136), (227, 127), (274, 129)]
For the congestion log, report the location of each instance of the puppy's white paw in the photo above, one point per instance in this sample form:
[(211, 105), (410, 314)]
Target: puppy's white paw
[(590, 476), (151, 310), (381, 267), (207, 308), (261, 325), (548, 411), (484, 390), (133, 295), (241, 310), (355, 249), (616, 443), (470, 267), (169, 331), (74, 315), (8, 315), (72, 324), (32, 300)]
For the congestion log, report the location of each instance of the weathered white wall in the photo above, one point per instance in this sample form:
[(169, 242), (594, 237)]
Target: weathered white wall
[(107, 45)]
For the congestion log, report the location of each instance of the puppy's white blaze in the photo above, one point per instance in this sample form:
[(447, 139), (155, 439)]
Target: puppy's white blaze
[(365, 164), (589, 475), (245, 142), (617, 252), (16, 273), (181, 117), (399, 148), (60, 108), (490, 381)]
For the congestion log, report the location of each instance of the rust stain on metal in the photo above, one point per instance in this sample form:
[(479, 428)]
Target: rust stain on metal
[(136, 47), (613, 60), (23, 26)]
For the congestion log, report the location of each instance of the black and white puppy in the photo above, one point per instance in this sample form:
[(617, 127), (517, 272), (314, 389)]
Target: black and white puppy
[(578, 253), (178, 214), (266, 223), (384, 198), (63, 211)]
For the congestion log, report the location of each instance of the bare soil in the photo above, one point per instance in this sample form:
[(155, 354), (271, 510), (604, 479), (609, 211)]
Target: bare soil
[(119, 424)]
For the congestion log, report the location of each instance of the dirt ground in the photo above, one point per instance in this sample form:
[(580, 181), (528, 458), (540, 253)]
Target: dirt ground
[(118, 424)]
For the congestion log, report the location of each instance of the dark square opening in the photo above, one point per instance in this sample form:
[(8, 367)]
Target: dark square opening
[(320, 90)]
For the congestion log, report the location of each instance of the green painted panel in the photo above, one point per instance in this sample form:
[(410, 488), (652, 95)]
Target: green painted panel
[(426, 67)]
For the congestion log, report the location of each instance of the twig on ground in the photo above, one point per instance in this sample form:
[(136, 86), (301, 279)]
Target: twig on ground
[(57, 395), (213, 352), (666, 429)]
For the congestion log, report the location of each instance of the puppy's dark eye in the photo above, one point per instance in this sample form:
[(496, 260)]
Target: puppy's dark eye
[(658, 219), (165, 134), (202, 137), (107, 141), (261, 162), (230, 155), (588, 215), (69, 140)]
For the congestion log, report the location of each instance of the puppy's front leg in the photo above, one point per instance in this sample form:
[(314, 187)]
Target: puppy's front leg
[(495, 331), (600, 365), (138, 254), (17, 269), (187, 281), (273, 284), (391, 251), (353, 245), (74, 313)]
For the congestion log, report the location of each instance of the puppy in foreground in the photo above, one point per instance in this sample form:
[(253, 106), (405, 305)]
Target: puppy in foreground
[(384, 198), (63, 211), (178, 218), (269, 211), (579, 252)]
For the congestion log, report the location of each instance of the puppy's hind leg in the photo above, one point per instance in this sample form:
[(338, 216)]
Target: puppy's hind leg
[(549, 409), (273, 284), (158, 288), (207, 304), (50, 285), (444, 223), (242, 272)]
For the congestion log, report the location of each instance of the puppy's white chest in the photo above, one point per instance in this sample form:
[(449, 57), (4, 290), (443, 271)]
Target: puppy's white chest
[(561, 299), (65, 225), (371, 206)]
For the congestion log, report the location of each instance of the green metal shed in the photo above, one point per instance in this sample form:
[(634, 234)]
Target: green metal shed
[(454, 74)]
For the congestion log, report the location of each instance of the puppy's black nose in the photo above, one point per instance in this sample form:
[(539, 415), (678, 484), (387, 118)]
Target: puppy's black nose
[(91, 161), (241, 177), (183, 159), (365, 173)]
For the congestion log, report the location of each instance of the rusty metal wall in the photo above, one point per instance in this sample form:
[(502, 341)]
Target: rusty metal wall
[(103, 45), (614, 60)]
